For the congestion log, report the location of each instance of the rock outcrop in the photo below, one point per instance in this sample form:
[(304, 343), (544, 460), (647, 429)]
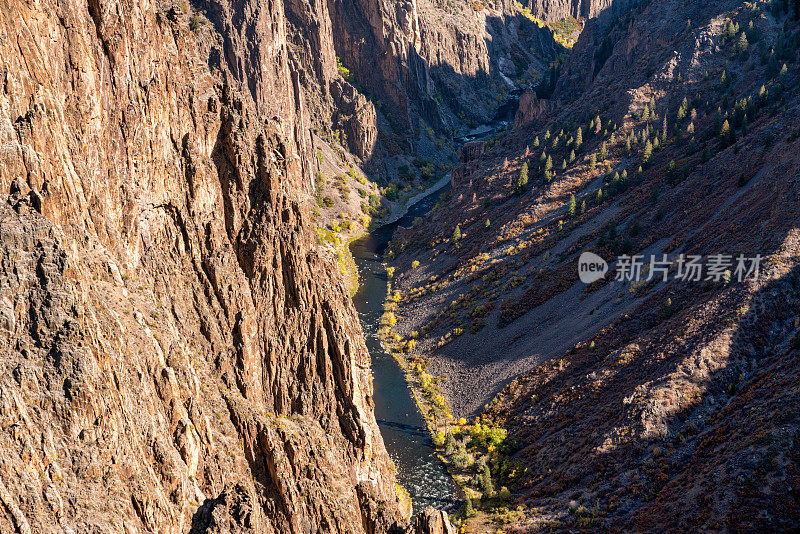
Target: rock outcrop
[(554, 10), (434, 63), (175, 354)]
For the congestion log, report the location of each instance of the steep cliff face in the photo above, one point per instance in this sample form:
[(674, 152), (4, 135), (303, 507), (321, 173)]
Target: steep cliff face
[(554, 10), (175, 355), (442, 64)]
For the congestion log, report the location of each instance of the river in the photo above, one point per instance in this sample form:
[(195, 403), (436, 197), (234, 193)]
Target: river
[(404, 431), (407, 440)]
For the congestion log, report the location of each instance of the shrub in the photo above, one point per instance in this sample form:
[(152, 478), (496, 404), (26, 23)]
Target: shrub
[(449, 444), (414, 264), (457, 234), (196, 22)]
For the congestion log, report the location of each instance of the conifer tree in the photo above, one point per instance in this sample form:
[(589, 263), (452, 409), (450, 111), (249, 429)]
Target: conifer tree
[(522, 180), (741, 43), (469, 511), (486, 482), (578, 138), (457, 234), (571, 206)]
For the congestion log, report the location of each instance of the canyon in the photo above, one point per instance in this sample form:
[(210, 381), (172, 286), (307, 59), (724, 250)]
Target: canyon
[(180, 349), (634, 405), (179, 353)]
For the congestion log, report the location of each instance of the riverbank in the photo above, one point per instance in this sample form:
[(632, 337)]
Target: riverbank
[(403, 427)]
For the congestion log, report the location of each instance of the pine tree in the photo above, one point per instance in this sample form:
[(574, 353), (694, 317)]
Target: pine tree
[(469, 511), (598, 125), (628, 146), (486, 482), (683, 108), (572, 156), (603, 152), (725, 131), (548, 164), (563, 165), (741, 43), (578, 138), (648, 151), (571, 206), (536, 142), (522, 180), (457, 234), (583, 207), (592, 161), (599, 196)]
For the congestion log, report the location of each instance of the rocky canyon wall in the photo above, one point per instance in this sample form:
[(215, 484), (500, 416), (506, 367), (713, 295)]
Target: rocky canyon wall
[(175, 354), (555, 10)]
